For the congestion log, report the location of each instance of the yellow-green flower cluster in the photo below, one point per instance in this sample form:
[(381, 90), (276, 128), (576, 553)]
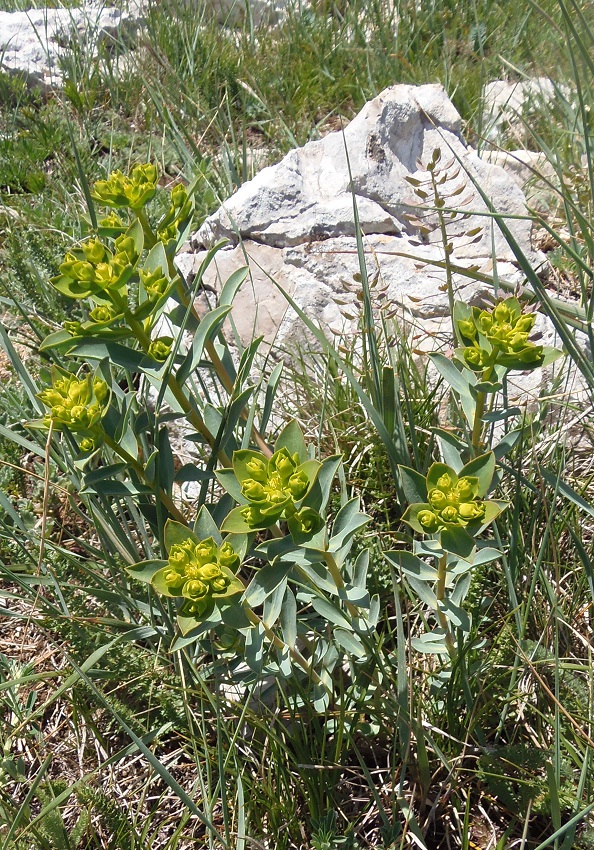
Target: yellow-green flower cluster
[(180, 210), (132, 191), (498, 336), (92, 269), (74, 403), (155, 283), (273, 487), (199, 570), (160, 348), (451, 502)]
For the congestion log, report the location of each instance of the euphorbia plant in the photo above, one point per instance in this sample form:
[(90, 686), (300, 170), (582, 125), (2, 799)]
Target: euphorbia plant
[(450, 510), (276, 569), (306, 604)]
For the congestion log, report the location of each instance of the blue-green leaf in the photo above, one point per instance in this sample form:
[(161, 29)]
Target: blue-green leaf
[(414, 485), (349, 642), (288, 618), (265, 582)]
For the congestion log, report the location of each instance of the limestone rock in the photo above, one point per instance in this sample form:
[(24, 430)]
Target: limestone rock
[(506, 104), (257, 12), (294, 222), (32, 42)]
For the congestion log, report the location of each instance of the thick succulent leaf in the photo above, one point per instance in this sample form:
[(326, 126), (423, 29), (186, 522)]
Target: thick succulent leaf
[(177, 532), (411, 565), (348, 521), (436, 470), (232, 284), (550, 355), (205, 526), (234, 615), (458, 379), (71, 288), (265, 582), (156, 258), (483, 468), (451, 450), (458, 541), (411, 516), (350, 642), (228, 480), (58, 340), (161, 586), (191, 629), (331, 613), (234, 523), (273, 604), (291, 438), (192, 626), (288, 618), (240, 460), (319, 577), (515, 363), (145, 570), (431, 642), (319, 493), (487, 387), (360, 568), (207, 329), (423, 591), (414, 485), (457, 616), (137, 233)]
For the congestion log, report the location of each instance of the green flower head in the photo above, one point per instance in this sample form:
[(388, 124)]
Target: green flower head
[(155, 283), (199, 570), (452, 500), (74, 403), (160, 348), (102, 314), (134, 190), (506, 329), (272, 487)]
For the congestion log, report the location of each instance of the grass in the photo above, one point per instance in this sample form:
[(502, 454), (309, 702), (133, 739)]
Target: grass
[(109, 739)]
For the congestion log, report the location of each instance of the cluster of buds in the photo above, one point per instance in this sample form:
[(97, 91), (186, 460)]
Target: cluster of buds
[(274, 487), (498, 337), (134, 191), (155, 283), (453, 501), (92, 269), (180, 210), (160, 348), (75, 403), (200, 572)]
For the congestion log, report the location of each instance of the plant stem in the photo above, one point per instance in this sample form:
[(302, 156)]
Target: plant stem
[(477, 425), (190, 412), (139, 469), (279, 644), (334, 571), (440, 594)]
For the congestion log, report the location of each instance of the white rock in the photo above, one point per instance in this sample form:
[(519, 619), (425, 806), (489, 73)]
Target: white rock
[(256, 12), (294, 222), (506, 104), (32, 42)]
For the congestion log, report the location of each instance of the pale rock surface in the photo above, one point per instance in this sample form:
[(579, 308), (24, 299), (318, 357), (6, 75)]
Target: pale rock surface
[(294, 224), (32, 42), (506, 104), (257, 12)]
